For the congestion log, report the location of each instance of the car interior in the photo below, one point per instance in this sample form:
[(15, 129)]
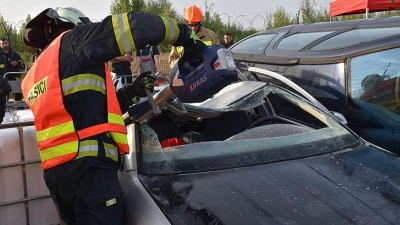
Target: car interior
[(220, 119)]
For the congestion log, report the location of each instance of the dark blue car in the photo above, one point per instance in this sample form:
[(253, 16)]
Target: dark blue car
[(255, 153)]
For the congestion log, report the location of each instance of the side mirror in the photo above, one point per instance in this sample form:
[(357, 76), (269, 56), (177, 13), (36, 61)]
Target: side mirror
[(340, 117)]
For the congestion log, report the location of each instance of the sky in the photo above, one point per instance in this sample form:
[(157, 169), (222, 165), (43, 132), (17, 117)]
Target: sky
[(244, 12)]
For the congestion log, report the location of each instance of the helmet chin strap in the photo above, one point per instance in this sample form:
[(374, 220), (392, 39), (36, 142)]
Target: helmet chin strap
[(53, 28), (48, 31)]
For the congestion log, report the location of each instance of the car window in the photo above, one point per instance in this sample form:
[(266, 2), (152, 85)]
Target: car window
[(299, 41), (379, 84), (253, 45), (355, 37)]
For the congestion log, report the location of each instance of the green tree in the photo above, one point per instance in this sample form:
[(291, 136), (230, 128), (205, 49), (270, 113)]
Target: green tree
[(15, 34), (162, 8), (213, 21), (157, 7), (124, 6), (309, 14), (279, 18)]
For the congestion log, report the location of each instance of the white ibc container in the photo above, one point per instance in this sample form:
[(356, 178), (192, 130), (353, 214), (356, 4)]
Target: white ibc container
[(9, 146), (13, 214), (14, 174), (42, 211), (11, 179), (31, 149)]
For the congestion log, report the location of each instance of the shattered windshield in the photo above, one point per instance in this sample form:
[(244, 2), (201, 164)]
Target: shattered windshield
[(256, 125)]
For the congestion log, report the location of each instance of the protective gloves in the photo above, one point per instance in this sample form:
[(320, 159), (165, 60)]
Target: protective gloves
[(192, 48), (130, 94), (144, 81), (192, 55)]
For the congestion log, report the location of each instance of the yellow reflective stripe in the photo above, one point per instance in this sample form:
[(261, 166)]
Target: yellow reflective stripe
[(171, 30), (111, 202), (123, 34), (82, 82), (119, 137), (111, 151), (55, 131), (117, 33), (208, 43), (179, 49), (58, 150), (2, 66), (115, 119), (88, 148)]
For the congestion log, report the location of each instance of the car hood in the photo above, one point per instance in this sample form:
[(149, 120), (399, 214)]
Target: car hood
[(349, 187)]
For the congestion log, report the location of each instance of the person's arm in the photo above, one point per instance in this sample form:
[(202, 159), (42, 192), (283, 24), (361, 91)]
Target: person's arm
[(16, 60), (157, 58), (125, 58), (116, 35), (137, 64), (157, 62)]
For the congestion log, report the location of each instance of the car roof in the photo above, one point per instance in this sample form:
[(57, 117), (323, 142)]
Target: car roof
[(271, 53)]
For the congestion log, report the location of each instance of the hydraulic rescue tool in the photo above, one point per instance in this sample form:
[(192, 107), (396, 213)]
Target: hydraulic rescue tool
[(189, 85)]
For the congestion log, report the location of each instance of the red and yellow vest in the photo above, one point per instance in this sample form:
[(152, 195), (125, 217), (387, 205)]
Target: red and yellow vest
[(56, 135)]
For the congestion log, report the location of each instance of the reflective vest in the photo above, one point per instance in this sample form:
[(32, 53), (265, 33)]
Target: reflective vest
[(56, 135)]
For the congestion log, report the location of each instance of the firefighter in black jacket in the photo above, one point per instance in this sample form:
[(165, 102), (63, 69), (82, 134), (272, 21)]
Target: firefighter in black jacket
[(79, 126), (13, 60)]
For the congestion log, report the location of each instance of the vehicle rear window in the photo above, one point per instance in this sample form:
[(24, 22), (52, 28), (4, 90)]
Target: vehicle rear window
[(253, 45), (299, 41), (355, 37)]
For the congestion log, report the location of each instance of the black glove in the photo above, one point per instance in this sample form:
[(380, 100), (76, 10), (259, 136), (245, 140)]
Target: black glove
[(192, 55), (129, 94), (185, 36), (192, 48), (144, 81)]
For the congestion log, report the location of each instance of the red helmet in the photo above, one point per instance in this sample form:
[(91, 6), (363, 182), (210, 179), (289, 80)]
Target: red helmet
[(193, 14)]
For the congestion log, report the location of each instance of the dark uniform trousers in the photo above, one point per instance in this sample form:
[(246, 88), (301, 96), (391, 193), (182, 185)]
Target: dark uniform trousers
[(87, 191)]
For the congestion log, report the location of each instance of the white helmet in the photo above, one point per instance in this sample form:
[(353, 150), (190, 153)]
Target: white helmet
[(72, 15)]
